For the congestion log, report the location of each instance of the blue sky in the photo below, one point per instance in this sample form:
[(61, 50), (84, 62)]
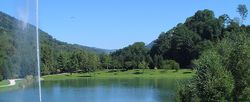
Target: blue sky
[(113, 24)]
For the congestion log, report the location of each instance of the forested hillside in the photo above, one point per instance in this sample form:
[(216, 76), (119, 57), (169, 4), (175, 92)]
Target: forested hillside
[(180, 45), (18, 49), (187, 40)]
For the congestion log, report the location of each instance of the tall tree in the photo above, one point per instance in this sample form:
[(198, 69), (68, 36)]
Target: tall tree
[(62, 61), (242, 9), (47, 60), (92, 62), (74, 62), (105, 60)]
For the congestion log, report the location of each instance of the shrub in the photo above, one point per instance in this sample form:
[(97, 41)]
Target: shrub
[(213, 81), (170, 64), (186, 92)]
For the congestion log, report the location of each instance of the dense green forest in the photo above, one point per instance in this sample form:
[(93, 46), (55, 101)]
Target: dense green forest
[(218, 48)]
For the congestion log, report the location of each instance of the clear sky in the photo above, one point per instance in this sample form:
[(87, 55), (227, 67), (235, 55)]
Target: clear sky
[(113, 24)]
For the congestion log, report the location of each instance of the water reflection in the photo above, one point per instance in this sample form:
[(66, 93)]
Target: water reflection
[(97, 90), (111, 90)]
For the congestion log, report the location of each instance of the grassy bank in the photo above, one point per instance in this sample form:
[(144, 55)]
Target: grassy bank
[(4, 82), (18, 83), (149, 73)]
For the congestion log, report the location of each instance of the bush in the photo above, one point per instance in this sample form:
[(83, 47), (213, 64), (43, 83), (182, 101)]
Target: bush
[(170, 64), (143, 65), (187, 92), (213, 81)]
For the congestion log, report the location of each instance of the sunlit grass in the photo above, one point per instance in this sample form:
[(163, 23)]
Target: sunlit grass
[(4, 82), (149, 73)]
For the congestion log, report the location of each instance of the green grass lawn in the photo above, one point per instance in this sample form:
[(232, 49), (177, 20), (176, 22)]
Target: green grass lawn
[(8, 88), (4, 82), (149, 73)]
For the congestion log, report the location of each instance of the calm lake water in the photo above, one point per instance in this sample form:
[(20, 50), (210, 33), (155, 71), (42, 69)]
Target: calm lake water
[(97, 90)]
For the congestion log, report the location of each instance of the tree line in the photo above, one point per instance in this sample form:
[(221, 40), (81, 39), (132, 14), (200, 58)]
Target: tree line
[(135, 56)]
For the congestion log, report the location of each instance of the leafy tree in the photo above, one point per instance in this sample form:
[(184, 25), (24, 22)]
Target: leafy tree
[(173, 64), (213, 81), (238, 64), (187, 92), (157, 60), (116, 64), (83, 60), (74, 63), (183, 43), (161, 46), (178, 44), (105, 60), (242, 9), (205, 24), (143, 65), (130, 57), (92, 63), (168, 64), (46, 59), (62, 62)]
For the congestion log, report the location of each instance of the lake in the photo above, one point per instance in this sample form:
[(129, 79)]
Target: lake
[(97, 90)]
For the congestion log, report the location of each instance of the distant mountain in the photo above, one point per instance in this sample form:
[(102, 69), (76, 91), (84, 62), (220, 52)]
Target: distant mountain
[(94, 49), (44, 37)]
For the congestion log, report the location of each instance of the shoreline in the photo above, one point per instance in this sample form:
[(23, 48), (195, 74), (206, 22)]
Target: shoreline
[(12, 82)]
